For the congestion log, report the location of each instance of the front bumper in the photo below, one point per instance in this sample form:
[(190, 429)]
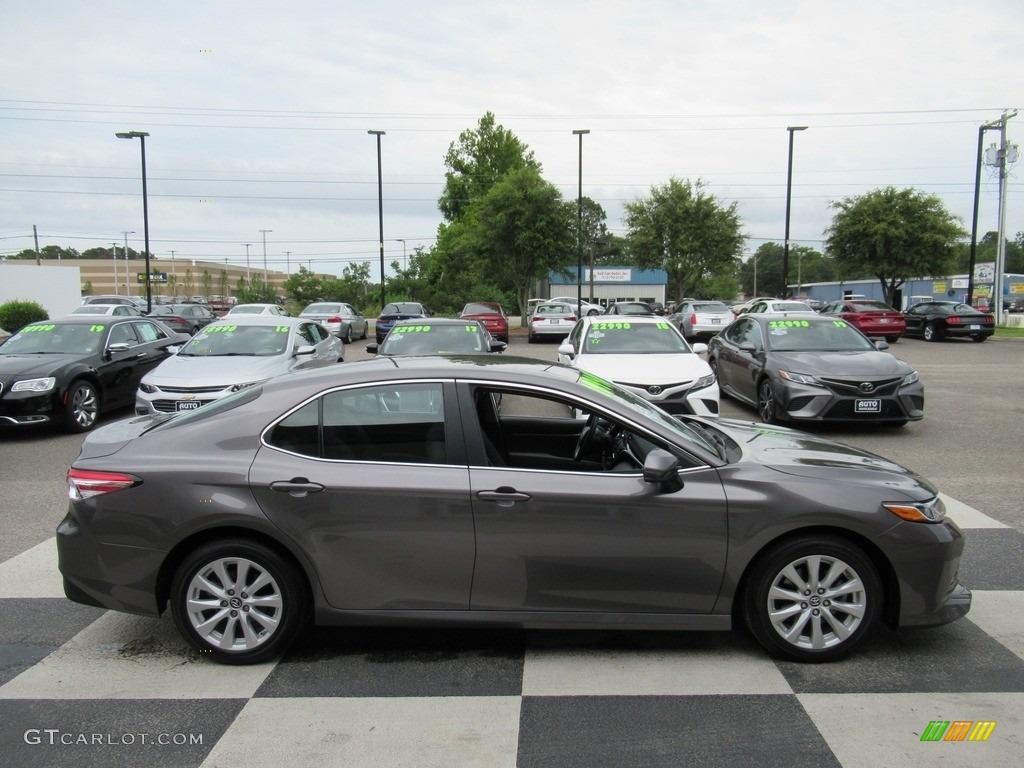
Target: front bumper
[(842, 401)]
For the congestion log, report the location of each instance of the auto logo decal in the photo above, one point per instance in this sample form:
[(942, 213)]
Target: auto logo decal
[(866, 386), (654, 390)]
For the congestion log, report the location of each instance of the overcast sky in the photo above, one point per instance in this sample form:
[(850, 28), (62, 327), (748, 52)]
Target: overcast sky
[(258, 112)]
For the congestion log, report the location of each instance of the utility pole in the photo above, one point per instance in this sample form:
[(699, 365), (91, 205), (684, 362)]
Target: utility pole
[(1004, 151)]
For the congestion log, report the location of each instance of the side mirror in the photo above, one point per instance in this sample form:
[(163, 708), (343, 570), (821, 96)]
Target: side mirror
[(700, 349), (662, 468), (372, 348), (882, 345), (493, 346), (566, 348), (305, 349), (749, 346)]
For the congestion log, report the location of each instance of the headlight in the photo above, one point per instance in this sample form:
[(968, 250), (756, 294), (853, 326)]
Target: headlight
[(918, 512), (703, 381), (799, 378), (35, 385), (149, 389), (910, 378)]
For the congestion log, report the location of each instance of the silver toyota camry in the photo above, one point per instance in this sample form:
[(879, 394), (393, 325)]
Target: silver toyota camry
[(463, 490)]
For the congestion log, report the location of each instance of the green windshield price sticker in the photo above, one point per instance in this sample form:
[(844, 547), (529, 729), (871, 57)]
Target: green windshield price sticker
[(663, 326), (411, 329), (38, 328), (96, 329), (594, 382), (789, 324), (282, 329), (839, 323), (471, 329), (609, 325), (221, 328)]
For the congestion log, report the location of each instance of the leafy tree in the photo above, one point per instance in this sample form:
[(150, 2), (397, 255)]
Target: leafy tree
[(304, 286), (688, 233), (222, 282), (206, 280), (477, 161), (522, 229), (893, 235), (255, 291)]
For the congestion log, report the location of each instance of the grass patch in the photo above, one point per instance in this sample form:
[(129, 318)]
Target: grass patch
[(1008, 333)]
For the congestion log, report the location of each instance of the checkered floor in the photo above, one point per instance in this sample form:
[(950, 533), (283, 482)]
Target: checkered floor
[(85, 687)]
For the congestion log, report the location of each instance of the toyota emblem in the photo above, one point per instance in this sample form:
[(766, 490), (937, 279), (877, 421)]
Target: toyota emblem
[(865, 386), (655, 390)]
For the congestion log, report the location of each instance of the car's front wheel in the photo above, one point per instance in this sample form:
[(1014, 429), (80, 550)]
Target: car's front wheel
[(814, 598), (766, 407), (239, 601), (931, 332), (82, 407)]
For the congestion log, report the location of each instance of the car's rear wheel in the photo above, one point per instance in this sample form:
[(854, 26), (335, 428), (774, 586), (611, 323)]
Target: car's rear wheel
[(979, 338), (766, 407), (892, 339), (366, 328), (82, 407), (812, 599), (932, 332), (239, 601), (348, 335)]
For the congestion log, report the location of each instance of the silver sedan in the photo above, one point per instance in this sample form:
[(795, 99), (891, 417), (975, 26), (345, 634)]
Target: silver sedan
[(341, 319), (231, 354)]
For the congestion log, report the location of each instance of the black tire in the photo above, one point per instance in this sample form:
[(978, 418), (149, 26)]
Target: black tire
[(825, 595), (892, 339), (713, 365), (931, 332), (235, 633), (195, 329), (82, 407), (366, 327), (592, 313), (766, 406), (979, 339), (530, 339), (348, 335)]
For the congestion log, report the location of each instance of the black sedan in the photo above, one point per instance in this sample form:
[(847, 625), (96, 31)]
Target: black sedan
[(936, 320), (184, 318), (813, 368), (437, 336), (68, 371), (394, 491)]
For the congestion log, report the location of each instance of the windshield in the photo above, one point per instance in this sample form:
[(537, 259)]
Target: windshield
[(52, 339), (433, 339), (228, 339), (681, 429), (808, 335), (611, 337)]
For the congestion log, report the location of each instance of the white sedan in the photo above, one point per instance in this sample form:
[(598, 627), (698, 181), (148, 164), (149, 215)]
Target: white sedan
[(649, 357), (258, 309)]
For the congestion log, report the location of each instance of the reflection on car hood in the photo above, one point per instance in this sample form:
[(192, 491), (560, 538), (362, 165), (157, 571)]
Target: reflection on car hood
[(645, 369), (798, 453), (209, 371), (866, 363), (34, 365)]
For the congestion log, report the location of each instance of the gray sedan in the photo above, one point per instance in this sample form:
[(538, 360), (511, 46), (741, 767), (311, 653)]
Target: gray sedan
[(395, 491), (231, 354), (341, 319)]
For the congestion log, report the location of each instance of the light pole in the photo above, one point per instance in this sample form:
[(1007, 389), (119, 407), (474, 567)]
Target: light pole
[(288, 263), (405, 259), (117, 291), (127, 271), (579, 228), (141, 136), (247, 278), (264, 233), (799, 272), (789, 194), (174, 272), (380, 212)]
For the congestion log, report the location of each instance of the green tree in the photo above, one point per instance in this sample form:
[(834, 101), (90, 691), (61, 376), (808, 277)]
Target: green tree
[(522, 229), (477, 161), (688, 233), (304, 286), (893, 235)]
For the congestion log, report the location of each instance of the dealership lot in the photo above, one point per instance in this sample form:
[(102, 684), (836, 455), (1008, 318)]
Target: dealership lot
[(83, 686)]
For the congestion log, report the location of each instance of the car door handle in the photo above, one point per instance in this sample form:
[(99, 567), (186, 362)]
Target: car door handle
[(504, 496), (297, 487)]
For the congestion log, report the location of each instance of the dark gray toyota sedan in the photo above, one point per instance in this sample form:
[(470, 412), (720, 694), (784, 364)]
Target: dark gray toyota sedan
[(462, 490)]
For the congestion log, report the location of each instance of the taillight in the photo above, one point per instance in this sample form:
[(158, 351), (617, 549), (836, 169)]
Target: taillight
[(693, 319), (86, 483), (953, 320), (335, 319), (571, 318)]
